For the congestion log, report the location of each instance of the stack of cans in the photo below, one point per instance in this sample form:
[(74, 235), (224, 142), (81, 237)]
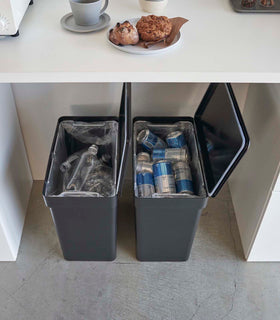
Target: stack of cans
[(168, 172)]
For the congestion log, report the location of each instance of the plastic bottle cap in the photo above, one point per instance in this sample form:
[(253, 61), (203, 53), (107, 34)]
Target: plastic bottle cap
[(93, 148)]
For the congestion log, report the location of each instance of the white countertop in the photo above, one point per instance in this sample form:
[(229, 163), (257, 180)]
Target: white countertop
[(218, 45)]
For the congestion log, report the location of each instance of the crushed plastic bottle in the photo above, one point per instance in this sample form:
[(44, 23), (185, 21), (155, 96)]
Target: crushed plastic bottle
[(66, 165), (86, 164), (84, 172)]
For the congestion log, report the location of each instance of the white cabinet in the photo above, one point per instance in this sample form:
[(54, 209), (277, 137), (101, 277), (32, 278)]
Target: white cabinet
[(15, 177), (266, 246), (255, 183)]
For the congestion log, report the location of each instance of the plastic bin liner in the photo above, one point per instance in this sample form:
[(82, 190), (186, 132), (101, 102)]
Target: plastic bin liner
[(73, 138)]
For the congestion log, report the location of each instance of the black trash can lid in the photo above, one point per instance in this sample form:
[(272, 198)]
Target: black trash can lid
[(221, 134)]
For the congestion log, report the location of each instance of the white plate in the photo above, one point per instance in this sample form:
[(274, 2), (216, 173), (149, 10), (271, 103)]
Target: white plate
[(138, 49)]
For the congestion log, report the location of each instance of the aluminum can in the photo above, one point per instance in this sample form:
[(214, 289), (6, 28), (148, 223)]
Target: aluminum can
[(176, 139), (163, 175), (145, 184), (149, 140), (183, 177), (143, 156), (171, 154), (144, 166)]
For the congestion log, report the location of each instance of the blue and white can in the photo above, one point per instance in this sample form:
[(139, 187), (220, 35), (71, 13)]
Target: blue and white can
[(171, 154), (145, 184), (143, 156), (176, 139), (149, 140), (144, 166), (183, 177), (163, 175)]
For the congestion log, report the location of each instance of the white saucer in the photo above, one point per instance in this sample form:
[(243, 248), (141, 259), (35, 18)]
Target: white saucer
[(68, 23)]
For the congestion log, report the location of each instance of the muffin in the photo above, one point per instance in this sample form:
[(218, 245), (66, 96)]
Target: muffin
[(154, 28), (248, 3), (124, 34), (267, 3)]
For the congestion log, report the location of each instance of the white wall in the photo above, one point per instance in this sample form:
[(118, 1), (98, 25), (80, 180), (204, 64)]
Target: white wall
[(15, 177)]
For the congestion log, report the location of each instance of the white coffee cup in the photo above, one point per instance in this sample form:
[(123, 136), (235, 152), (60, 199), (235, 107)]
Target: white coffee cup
[(153, 6), (87, 12)]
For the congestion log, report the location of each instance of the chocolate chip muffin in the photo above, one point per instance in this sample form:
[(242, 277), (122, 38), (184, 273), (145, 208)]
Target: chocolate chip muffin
[(124, 34), (154, 28)]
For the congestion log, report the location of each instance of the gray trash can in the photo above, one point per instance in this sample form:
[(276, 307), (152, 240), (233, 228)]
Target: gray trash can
[(166, 226), (87, 226)]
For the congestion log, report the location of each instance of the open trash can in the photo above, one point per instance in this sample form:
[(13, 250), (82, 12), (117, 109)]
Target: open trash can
[(86, 223), (217, 139)]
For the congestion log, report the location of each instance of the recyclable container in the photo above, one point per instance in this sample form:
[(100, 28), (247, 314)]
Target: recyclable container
[(87, 225), (217, 140)]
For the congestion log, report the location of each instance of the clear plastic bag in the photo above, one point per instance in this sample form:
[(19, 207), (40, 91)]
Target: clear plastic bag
[(86, 133), (73, 140)]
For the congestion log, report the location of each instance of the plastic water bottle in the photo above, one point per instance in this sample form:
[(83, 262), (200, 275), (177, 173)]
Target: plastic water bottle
[(85, 165)]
